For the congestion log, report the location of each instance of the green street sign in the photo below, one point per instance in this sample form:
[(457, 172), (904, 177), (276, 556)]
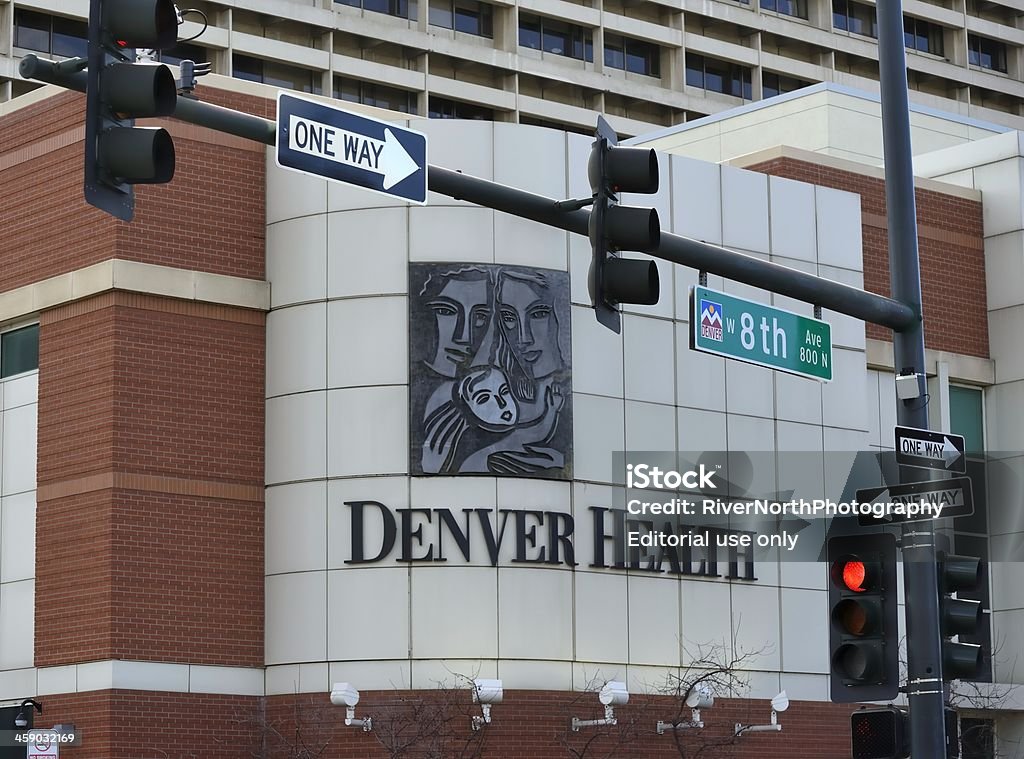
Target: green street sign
[(736, 328)]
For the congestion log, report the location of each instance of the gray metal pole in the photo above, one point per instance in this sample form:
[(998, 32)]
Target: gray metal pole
[(920, 581), (799, 285)]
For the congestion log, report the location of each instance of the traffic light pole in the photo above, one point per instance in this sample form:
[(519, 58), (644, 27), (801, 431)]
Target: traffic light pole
[(920, 578), (795, 284)]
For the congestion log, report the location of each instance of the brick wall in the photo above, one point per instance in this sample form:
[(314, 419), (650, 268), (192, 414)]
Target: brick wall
[(536, 725), (150, 482), (210, 217), (951, 243)]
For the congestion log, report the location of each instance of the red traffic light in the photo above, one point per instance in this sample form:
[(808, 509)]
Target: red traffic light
[(853, 574)]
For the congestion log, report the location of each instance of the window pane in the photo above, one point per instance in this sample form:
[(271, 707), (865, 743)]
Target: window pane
[(441, 13), (614, 51), (839, 14), (467, 17), (70, 38), (346, 89), (715, 76), (19, 351), (290, 77), (769, 85), (244, 67), (695, 70), (529, 31), (31, 30), (768, 5), (178, 53), (965, 416), (555, 37)]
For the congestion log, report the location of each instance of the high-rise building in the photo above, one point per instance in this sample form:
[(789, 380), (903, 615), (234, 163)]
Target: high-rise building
[(645, 63)]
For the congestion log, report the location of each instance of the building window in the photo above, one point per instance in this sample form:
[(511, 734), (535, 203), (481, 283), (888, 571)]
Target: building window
[(796, 8), (175, 55), (377, 95), (19, 351), (970, 538), (400, 8), (50, 34), (718, 76), (773, 84), (989, 54), (921, 35), (442, 108), (275, 74), (468, 16), (632, 55), (977, 738), (853, 17), (558, 37)]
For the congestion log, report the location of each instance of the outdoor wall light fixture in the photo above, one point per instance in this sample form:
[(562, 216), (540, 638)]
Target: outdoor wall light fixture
[(611, 695), (700, 697), (20, 720), (779, 704), (485, 693), (343, 694)]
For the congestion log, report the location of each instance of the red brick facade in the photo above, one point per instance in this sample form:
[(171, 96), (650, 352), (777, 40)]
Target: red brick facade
[(951, 243), (527, 725)]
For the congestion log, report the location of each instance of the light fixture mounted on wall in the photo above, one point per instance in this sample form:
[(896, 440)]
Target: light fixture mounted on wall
[(485, 693), (343, 694), (699, 697), (613, 694), (779, 704), (21, 720)]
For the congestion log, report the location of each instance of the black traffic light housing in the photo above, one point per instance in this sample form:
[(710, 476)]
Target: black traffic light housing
[(613, 280), (879, 733), (959, 616), (117, 153), (863, 618)]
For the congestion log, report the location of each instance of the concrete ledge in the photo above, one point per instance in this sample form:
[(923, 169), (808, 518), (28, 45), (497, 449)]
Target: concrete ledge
[(131, 276), (972, 370)]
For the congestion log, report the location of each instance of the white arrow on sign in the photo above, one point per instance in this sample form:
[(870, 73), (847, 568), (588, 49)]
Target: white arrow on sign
[(950, 453), (387, 157)]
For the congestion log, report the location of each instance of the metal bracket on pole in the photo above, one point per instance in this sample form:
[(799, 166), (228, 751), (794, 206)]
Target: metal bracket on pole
[(702, 278), (817, 312)]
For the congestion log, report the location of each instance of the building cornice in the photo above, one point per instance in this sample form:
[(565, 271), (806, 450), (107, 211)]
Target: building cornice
[(134, 277)]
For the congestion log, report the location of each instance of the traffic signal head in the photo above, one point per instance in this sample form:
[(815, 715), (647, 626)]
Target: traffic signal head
[(878, 733), (613, 280), (117, 153), (959, 616), (863, 633)]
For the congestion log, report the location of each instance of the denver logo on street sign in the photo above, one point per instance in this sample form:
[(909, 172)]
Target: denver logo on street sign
[(317, 139)]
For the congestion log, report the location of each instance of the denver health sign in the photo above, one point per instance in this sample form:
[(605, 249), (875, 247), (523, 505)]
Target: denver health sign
[(773, 337)]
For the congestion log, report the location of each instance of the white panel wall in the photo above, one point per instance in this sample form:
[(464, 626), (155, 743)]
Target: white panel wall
[(337, 430), (18, 402)]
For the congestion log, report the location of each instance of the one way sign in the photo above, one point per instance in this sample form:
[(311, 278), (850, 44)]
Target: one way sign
[(930, 450), (318, 139)]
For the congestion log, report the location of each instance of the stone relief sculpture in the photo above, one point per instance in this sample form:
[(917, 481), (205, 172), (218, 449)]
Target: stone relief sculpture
[(490, 371)]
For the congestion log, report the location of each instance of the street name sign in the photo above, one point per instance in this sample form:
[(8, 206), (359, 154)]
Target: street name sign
[(953, 495), (930, 450), (758, 334), (318, 139)]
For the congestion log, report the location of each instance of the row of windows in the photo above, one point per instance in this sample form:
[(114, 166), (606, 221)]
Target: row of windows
[(67, 38), (859, 18), (718, 76)]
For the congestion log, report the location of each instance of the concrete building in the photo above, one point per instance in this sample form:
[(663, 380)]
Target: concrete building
[(236, 470), (557, 62)]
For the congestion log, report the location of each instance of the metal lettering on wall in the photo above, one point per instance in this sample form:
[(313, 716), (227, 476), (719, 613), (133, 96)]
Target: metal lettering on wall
[(490, 370)]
